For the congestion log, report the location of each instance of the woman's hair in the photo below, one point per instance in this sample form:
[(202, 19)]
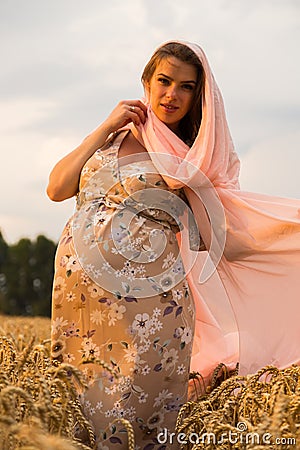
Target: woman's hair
[(190, 124)]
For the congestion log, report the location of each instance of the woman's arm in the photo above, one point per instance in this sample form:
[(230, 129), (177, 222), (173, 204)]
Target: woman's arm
[(64, 178)]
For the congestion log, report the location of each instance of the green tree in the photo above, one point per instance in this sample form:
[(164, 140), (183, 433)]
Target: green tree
[(4, 249), (26, 274), (19, 278), (42, 274)]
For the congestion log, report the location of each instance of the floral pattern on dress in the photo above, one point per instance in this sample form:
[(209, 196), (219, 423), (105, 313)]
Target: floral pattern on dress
[(135, 351)]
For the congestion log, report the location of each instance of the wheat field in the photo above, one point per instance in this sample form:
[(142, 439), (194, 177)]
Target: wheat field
[(39, 408)]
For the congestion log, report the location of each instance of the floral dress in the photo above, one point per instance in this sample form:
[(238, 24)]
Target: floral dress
[(122, 310)]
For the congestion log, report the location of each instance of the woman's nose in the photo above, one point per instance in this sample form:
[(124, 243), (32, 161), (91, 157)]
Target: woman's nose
[(171, 92)]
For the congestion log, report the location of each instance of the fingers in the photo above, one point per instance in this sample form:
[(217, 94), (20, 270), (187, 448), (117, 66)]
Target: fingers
[(125, 112), (137, 111), (142, 106)]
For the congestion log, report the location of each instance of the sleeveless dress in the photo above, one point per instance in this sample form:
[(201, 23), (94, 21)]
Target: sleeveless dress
[(121, 309)]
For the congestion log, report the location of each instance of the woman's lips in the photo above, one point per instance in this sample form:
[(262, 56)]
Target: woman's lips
[(169, 108)]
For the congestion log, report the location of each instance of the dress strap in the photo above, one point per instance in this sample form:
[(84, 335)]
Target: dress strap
[(115, 141)]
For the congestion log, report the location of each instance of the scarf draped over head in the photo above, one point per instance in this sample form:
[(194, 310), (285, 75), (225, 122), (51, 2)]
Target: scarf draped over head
[(246, 284)]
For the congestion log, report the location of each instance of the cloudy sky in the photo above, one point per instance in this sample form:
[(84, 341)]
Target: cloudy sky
[(66, 63)]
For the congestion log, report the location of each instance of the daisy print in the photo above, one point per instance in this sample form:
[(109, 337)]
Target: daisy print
[(134, 352), (95, 291), (168, 261)]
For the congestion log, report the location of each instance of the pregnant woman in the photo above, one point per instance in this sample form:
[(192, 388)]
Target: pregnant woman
[(165, 260), (139, 320)]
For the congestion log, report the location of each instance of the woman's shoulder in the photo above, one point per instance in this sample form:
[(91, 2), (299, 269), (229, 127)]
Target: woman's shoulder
[(130, 145)]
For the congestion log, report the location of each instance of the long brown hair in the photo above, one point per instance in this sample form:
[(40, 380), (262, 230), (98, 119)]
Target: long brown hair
[(190, 124)]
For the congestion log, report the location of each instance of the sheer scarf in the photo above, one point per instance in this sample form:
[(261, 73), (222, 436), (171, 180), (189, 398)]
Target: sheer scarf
[(246, 285)]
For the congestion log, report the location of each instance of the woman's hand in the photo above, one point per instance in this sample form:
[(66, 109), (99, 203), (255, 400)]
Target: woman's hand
[(64, 178), (125, 112)]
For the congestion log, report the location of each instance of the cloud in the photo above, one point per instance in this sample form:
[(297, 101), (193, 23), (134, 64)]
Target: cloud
[(26, 160), (272, 167), (66, 64), (43, 217)]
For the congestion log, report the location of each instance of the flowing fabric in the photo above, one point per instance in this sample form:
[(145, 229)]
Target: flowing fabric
[(246, 285)]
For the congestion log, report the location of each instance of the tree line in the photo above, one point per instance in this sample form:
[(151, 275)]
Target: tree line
[(26, 276)]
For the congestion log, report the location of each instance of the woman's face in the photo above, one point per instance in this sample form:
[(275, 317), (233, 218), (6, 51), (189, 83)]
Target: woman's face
[(171, 91)]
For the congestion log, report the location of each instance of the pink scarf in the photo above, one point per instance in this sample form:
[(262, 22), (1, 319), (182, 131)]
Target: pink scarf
[(247, 297)]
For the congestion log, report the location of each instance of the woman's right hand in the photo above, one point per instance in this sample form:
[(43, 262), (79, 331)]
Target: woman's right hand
[(125, 112), (64, 178)]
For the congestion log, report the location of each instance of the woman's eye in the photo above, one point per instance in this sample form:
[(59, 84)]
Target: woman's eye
[(163, 81), (188, 87)]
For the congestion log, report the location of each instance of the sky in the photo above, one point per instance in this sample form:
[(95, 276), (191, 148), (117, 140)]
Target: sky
[(65, 64)]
